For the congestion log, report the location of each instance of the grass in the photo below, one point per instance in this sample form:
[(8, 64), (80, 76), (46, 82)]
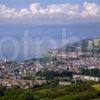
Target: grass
[(96, 86), (66, 97)]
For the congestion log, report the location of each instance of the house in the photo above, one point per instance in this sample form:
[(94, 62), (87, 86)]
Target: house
[(39, 82), (64, 83)]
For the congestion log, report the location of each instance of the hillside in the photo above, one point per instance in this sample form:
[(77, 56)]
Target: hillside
[(89, 46)]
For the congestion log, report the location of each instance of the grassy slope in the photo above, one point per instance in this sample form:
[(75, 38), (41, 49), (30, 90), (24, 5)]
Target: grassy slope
[(97, 87)]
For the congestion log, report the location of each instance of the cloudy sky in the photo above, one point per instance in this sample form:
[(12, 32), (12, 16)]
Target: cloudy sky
[(82, 19), (49, 11)]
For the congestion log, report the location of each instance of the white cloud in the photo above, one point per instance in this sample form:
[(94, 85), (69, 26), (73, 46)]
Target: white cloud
[(34, 7), (91, 9), (7, 12), (60, 9), (72, 13), (65, 10), (23, 12)]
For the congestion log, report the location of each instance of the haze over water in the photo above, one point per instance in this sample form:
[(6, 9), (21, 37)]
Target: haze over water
[(74, 32)]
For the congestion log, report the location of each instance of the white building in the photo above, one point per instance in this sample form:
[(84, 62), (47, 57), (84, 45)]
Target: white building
[(84, 77)]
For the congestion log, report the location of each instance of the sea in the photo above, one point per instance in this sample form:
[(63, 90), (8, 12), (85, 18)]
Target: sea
[(26, 41)]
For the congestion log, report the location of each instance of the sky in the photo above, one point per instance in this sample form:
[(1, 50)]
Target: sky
[(80, 18), (49, 11)]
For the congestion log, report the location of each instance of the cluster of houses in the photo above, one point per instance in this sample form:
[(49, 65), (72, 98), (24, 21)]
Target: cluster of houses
[(85, 77), (18, 70), (21, 83), (75, 59), (31, 83)]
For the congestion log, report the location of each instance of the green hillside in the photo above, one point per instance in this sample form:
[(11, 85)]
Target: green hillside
[(97, 87)]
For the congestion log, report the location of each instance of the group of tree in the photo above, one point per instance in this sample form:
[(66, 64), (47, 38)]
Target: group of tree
[(91, 72), (51, 74)]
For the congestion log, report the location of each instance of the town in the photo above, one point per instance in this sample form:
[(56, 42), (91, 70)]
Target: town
[(64, 67)]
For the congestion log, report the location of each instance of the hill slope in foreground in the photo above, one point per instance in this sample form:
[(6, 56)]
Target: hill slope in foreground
[(83, 91)]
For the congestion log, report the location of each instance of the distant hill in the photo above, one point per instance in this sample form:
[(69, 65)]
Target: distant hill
[(89, 47), (92, 43)]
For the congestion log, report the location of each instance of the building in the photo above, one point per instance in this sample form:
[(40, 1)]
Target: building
[(39, 82), (85, 77), (64, 83)]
